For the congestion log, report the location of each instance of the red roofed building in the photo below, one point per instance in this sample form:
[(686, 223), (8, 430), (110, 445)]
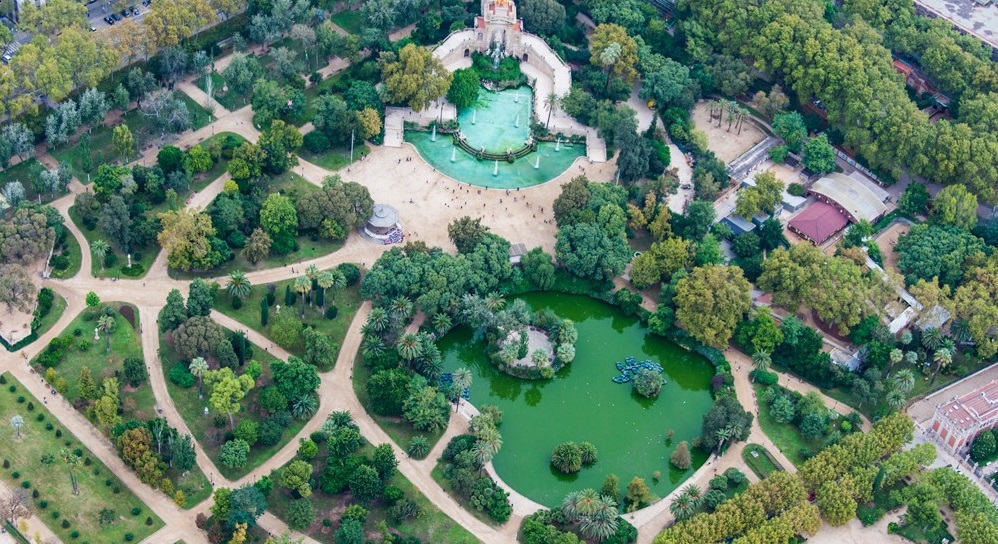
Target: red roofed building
[(958, 422), (818, 222)]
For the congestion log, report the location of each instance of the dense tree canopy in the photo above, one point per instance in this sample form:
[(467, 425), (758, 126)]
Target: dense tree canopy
[(711, 301)]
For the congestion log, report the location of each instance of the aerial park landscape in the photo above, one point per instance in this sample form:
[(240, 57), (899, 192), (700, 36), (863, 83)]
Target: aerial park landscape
[(532, 271)]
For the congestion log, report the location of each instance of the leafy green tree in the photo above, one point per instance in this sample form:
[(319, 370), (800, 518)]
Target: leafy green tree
[(174, 313), (790, 126), (591, 252), (681, 457), (295, 378), (648, 383), (612, 48), (466, 233), (819, 156), (228, 391), (464, 88), (956, 206), (414, 77), (929, 251), (914, 199), (543, 17), (233, 453), (295, 476), (426, 409), (279, 219), (200, 299), (365, 484), (384, 462), (711, 301)]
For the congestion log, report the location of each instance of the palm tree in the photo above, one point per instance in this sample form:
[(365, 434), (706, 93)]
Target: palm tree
[(942, 357), (100, 248), (106, 323), (896, 357), (603, 523), (609, 57), (302, 286), (441, 322), (694, 493), (304, 407), (462, 380), (960, 331), (197, 368), (730, 114), (238, 286), (760, 362), (325, 280), (579, 504), (377, 320), (723, 435), (400, 309), (682, 507), (72, 461), (312, 273), (911, 357), (491, 439), (904, 380), (895, 399), (372, 347), (17, 423), (409, 347), (906, 338), (494, 302), (932, 339), (551, 101), (483, 455)]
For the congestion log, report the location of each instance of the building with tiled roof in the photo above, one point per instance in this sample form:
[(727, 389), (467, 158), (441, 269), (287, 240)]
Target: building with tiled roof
[(957, 422)]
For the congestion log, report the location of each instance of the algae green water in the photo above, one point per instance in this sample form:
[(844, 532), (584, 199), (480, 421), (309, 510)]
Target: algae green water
[(582, 404)]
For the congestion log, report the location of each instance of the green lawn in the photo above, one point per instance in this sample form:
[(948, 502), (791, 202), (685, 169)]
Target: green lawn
[(141, 256), (27, 173), (71, 248), (932, 536), (432, 526), (785, 436), (103, 363), (761, 463), (230, 99), (400, 431), (248, 314), (206, 433), (353, 21), (101, 149), (47, 322), (336, 158), (200, 117), (98, 486), (287, 183)]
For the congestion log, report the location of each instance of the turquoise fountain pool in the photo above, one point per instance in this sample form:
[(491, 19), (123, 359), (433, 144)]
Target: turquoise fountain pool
[(492, 124)]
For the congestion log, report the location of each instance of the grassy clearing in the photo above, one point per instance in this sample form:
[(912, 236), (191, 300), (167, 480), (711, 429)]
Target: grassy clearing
[(200, 117), (248, 314), (71, 249), (229, 99), (204, 427), (141, 256), (432, 526), (336, 158), (97, 484), (353, 21), (27, 173), (785, 436), (400, 431), (762, 464), (47, 322)]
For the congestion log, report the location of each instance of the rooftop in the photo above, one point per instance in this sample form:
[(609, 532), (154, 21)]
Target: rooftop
[(818, 222), (852, 195), (384, 216), (974, 407), (967, 15)]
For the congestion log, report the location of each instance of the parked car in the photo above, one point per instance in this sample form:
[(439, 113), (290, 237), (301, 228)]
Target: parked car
[(135, 10), (125, 13), (116, 17), (93, 29)]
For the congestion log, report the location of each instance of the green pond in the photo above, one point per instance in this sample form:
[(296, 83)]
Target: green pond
[(582, 403), (492, 124)]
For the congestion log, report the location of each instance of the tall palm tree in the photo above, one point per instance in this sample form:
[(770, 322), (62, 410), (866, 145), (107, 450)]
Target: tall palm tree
[(579, 504), (238, 286), (372, 347), (694, 493), (304, 407), (609, 57), (400, 309), (72, 461), (106, 323), (494, 302), (302, 286), (730, 114), (896, 357), (603, 523), (378, 319), (325, 280), (312, 273), (197, 368), (906, 338), (760, 362), (895, 399), (409, 347), (483, 455), (441, 322), (911, 357), (682, 507), (462, 380), (725, 434), (551, 101), (491, 438), (960, 331), (942, 357), (932, 339), (100, 249), (904, 380)]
